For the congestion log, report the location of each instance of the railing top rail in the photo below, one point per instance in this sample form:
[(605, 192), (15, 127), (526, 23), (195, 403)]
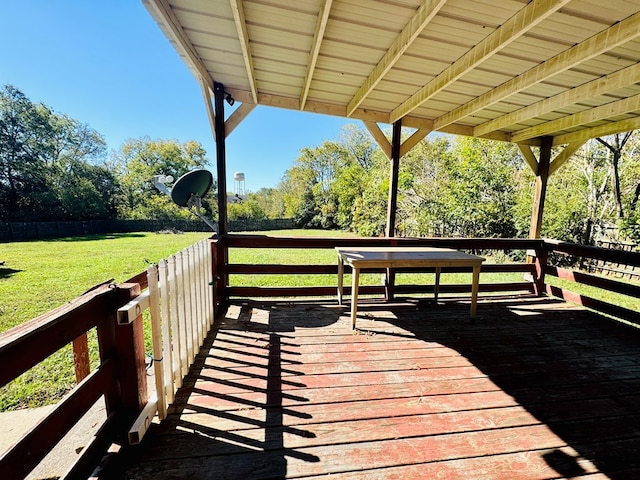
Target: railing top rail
[(28, 344), (598, 253), (265, 241)]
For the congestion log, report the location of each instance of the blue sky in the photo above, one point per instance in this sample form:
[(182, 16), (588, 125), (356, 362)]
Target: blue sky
[(107, 64)]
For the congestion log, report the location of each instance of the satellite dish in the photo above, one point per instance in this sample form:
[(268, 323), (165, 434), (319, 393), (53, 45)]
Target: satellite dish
[(195, 183), (188, 191)]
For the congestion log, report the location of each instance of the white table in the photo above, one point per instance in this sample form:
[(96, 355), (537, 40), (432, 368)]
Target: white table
[(399, 257)]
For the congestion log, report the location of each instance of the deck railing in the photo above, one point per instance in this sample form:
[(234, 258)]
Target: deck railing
[(177, 292), (182, 309), (117, 379), (601, 285), (226, 269)]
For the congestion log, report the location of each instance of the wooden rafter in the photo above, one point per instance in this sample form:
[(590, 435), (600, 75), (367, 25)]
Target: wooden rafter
[(590, 115), (614, 81), (523, 21), (599, 131), (162, 10), (243, 36), (318, 36), (424, 14), (610, 38)]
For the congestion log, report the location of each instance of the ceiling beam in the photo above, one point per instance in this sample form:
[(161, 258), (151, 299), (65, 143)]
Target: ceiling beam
[(363, 114), (318, 36), (243, 37), (523, 21), (600, 86), (164, 15), (612, 37), (599, 131), (420, 19), (609, 110)]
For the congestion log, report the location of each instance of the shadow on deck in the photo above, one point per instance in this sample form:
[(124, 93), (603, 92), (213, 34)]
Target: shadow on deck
[(534, 389)]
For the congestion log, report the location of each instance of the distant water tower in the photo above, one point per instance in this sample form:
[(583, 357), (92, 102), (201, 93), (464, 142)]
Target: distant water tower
[(238, 178)]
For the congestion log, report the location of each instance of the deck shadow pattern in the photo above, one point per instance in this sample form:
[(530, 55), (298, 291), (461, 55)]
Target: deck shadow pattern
[(533, 389)]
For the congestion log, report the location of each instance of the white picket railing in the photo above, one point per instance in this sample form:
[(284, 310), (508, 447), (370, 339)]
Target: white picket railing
[(180, 302)]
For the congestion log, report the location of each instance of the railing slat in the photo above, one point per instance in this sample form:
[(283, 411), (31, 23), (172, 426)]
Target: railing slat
[(156, 337), (177, 328), (167, 350)]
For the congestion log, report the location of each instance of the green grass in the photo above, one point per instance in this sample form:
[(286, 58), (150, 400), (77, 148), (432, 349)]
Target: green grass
[(41, 275)]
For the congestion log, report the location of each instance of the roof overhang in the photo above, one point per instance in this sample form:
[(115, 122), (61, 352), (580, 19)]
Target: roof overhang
[(513, 70)]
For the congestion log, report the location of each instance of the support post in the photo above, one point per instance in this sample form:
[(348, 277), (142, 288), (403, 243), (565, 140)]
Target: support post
[(390, 278), (221, 157), (393, 179), (542, 177), (219, 251), (541, 266), (124, 344)]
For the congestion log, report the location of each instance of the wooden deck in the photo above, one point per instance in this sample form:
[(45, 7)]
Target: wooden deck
[(533, 389)]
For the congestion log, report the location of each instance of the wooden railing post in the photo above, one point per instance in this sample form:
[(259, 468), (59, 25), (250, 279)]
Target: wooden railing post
[(81, 362), (542, 255), (125, 344), (220, 275)]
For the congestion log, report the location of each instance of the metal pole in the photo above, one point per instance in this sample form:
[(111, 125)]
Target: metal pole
[(221, 157)]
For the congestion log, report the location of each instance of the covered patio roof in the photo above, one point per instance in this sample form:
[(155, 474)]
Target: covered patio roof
[(513, 70)]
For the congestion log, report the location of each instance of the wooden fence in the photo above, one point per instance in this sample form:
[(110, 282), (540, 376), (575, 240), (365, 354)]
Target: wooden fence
[(181, 308), (583, 254)]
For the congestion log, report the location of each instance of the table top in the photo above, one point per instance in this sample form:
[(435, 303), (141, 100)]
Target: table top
[(405, 256)]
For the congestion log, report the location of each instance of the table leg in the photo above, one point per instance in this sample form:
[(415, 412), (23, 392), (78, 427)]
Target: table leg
[(436, 287), (474, 290), (354, 294), (340, 278)]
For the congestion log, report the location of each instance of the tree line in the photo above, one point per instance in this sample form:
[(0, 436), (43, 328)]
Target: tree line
[(462, 186), (53, 167)]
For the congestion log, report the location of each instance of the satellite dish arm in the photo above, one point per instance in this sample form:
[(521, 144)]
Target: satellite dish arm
[(159, 182), (195, 204)]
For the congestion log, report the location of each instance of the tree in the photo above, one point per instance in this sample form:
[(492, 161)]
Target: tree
[(43, 157), (23, 172), (615, 144)]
